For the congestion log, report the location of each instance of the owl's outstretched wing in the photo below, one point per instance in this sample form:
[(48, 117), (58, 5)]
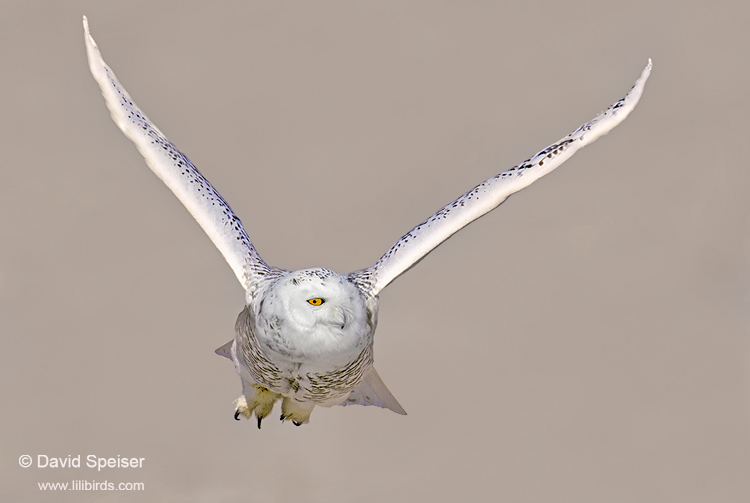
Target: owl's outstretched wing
[(176, 170), (488, 195)]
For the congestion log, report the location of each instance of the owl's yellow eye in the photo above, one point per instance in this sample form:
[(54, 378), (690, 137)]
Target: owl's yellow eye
[(316, 301)]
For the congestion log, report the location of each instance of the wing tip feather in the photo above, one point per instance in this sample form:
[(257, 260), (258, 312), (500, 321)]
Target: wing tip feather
[(87, 32)]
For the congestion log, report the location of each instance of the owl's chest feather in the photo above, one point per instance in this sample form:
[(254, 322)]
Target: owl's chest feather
[(276, 364)]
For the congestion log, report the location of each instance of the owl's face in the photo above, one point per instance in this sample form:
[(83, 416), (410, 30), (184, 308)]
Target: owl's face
[(313, 312)]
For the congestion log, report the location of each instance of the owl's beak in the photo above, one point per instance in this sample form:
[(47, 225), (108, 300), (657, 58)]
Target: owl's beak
[(338, 318)]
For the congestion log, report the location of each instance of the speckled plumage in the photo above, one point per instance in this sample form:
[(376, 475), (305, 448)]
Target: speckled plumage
[(306, 337)]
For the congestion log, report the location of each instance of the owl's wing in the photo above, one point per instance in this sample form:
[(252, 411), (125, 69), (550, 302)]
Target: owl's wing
[(203, 201), (488, 195)]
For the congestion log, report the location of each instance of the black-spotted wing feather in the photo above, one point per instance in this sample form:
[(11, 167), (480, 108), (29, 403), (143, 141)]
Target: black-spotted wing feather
[(200, 198), (488, 195)]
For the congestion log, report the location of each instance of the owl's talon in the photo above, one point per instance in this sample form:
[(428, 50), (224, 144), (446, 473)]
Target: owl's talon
[(292, 411), (237, 415), (259, 420)]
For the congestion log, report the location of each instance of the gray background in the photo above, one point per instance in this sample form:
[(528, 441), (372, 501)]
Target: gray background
[(586, 342)]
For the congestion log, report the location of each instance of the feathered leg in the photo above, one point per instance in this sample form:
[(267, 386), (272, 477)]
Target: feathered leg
[(256, 399), (295, 412)]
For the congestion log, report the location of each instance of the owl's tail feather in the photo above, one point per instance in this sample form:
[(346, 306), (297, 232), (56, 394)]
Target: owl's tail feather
[(226, 350), (372, 391)]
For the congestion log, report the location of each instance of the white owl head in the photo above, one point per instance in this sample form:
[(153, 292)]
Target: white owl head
[(313, 312)]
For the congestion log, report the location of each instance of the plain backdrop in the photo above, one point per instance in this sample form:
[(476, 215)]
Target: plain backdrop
[(586, 342)]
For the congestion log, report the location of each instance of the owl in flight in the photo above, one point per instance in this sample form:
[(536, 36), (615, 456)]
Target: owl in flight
[(306, 337)]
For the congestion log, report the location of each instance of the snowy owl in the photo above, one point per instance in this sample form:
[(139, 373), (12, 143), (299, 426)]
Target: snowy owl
[(306, 337)]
